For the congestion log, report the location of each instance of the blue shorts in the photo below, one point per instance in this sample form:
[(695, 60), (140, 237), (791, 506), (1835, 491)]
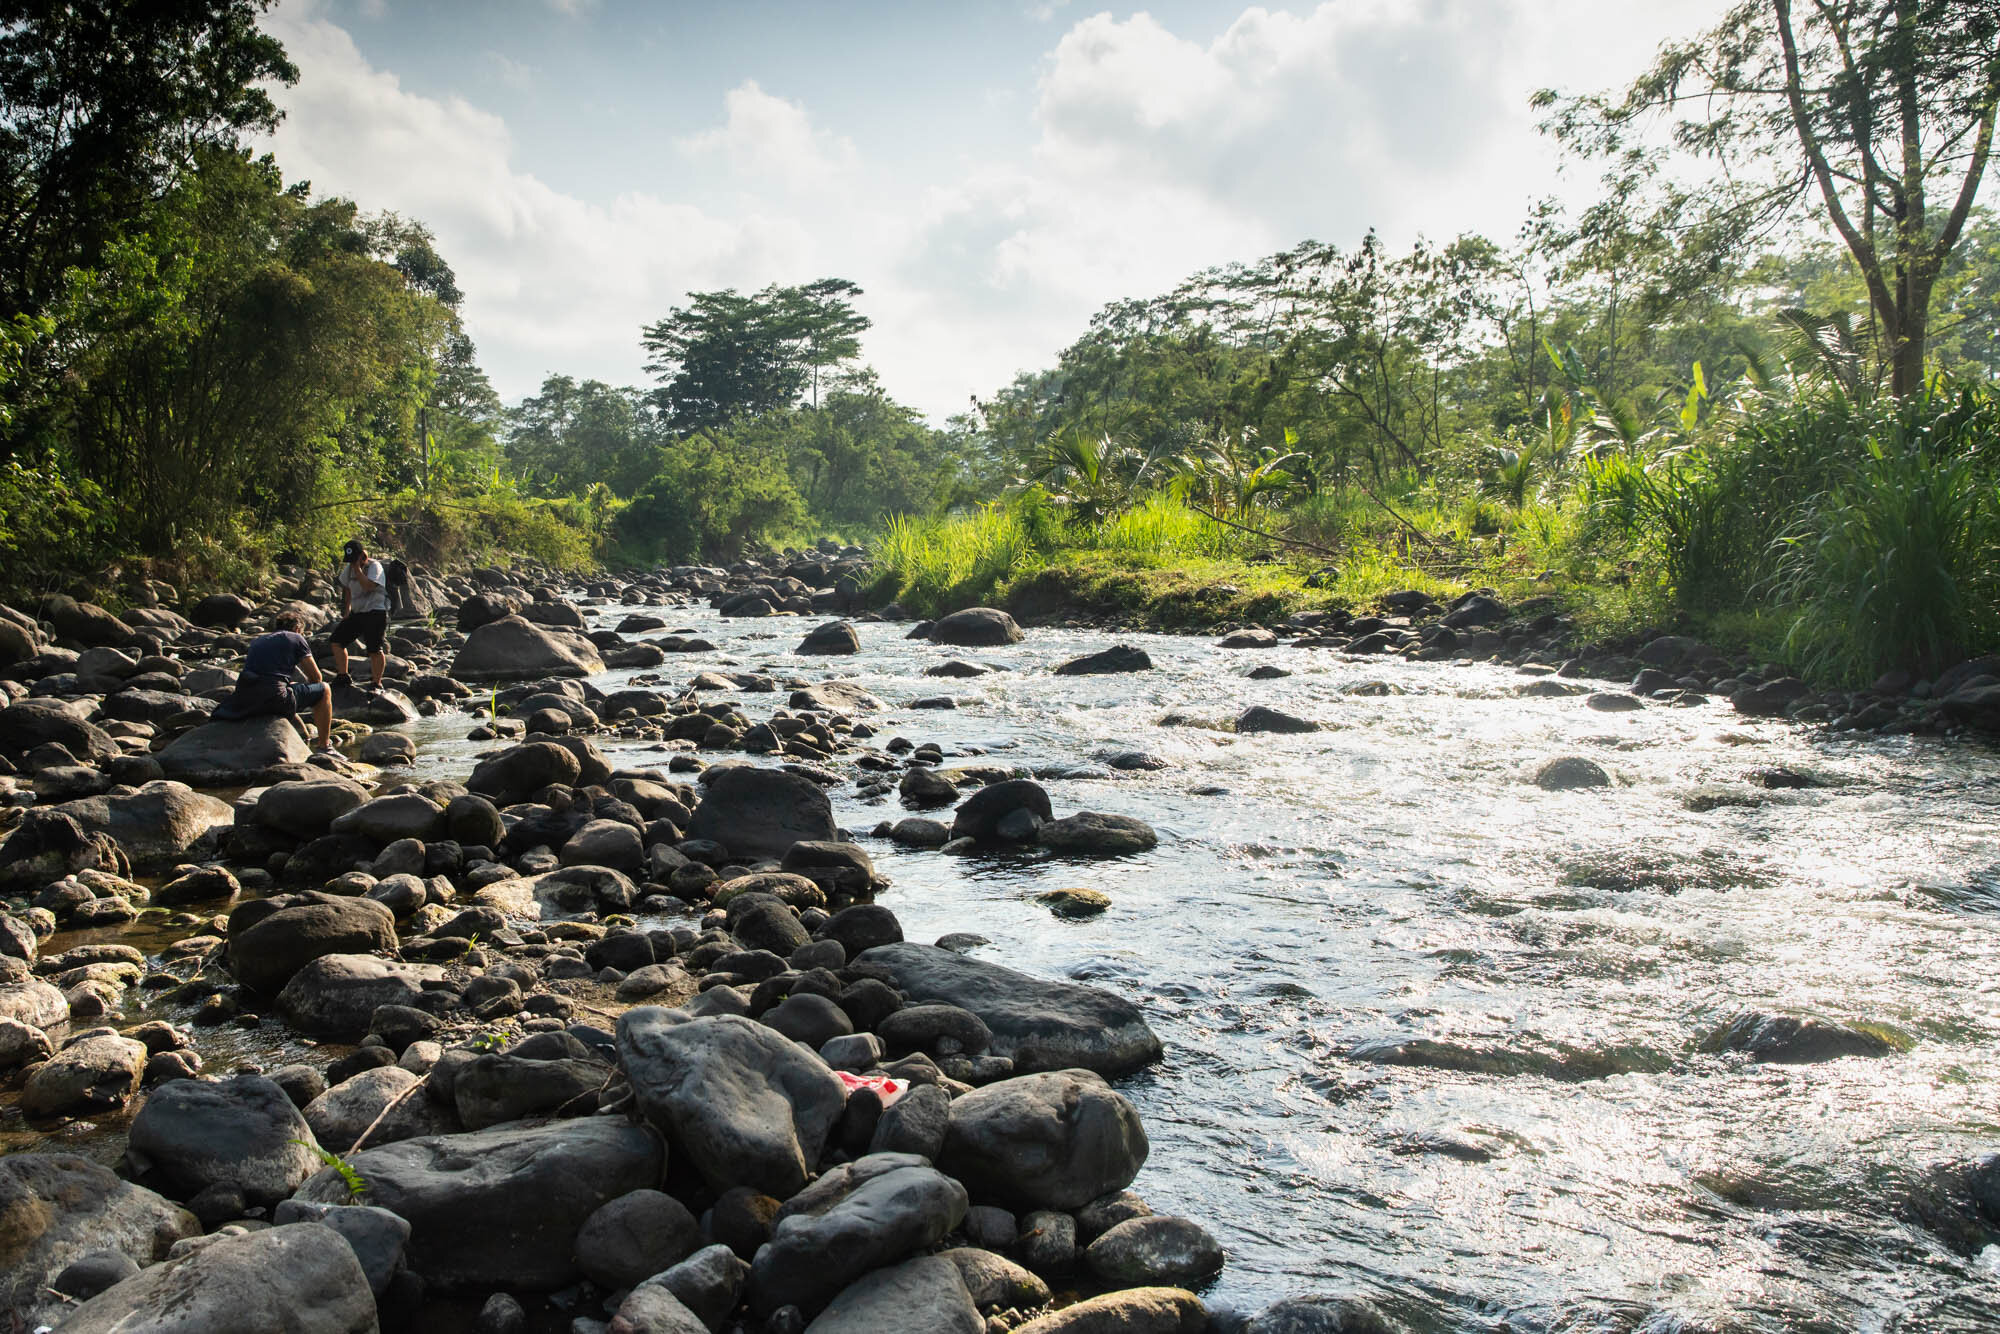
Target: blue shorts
[(305, 694)]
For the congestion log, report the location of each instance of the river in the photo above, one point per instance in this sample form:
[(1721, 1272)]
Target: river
[(1558, 1155)]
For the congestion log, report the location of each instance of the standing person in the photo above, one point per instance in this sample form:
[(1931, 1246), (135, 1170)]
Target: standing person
[(270, 684), (364, 614)]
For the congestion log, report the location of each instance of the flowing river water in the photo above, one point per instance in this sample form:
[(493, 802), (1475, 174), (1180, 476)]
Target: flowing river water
[(1431, 1032)]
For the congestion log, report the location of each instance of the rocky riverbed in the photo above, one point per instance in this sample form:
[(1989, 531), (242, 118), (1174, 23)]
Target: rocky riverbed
[(578, 1016)]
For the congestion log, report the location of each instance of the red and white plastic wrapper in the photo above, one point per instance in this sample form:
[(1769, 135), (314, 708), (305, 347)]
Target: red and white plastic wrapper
[(885, 1088)]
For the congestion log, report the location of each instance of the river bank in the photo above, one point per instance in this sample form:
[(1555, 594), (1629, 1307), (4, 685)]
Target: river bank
[(1333, 922)]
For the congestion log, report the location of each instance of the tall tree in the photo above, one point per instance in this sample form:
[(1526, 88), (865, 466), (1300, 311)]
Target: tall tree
[(725, 356), (1878, 115), (103, 103)]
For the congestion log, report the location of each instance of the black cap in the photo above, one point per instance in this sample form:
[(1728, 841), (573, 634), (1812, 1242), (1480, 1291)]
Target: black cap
[(351, 550)]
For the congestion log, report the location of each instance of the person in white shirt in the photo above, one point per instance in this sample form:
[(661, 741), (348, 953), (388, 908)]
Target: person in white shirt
[(364, 615)]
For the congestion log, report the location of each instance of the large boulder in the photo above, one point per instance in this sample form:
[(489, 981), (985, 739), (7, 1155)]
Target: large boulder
[(980, 815), (17, 643), (762, 812), (501, 1208), (514, 649), (1040, 1025), (976, 627), (235, 752), (1095, 834), (220, 611), (57, 1207), (1160, 1249), (157, 825), (1787, 1039), (241, 1132), (860, 1216), (47, 846), (335, 996), (498, 1087), (1117, 658), (1047, 1141), (519, 772), (305, 810), (300, 1279), (387, 819), (832, 639), (835, 697), (379, 1104), (927, 1293), (747, 1105), (266, 955), (94, 1073), (28, 723), (85, 622)]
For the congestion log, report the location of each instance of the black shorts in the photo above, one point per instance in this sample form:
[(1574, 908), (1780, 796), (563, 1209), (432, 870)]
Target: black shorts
[(370, 629)]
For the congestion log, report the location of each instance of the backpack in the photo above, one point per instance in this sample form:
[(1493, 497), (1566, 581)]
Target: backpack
[(396, 582)]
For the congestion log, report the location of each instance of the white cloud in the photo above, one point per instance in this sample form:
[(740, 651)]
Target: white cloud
[(1148, 156), (516, 75)]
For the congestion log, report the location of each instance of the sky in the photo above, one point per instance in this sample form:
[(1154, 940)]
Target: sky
[(991, 172)]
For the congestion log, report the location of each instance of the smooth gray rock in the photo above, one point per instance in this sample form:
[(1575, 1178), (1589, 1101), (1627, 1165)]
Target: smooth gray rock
[(56, 1208), (1133, 1311), (386, 819), (1154, 1251), (1570, 773), (301, 1279), (1056, 1140), (235, 752), (157, 825), (709, 1283), (499, 1087), (501, 1208), (242, 1132), (1039, 1025), (341, 1115), (749, 1106), (91, 1074), (1323, 1315), (271, 951), (976, 627), (335, 996), (376, 1236), (306, 809), (857, 1217), (762, 812), (634, 1237), (514, 649), (927, 1293), (651, 1308), (1095, 834), (996, 1282)]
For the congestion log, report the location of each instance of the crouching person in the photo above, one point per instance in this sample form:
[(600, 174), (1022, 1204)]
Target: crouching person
[(270, 681)]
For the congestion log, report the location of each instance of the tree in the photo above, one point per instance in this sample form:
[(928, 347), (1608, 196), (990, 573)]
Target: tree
[(725, 356), (1860, 110), (103, 103), (574, 435)]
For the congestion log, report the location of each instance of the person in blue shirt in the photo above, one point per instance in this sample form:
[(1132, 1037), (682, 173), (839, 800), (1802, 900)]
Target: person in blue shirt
[(269, 682)]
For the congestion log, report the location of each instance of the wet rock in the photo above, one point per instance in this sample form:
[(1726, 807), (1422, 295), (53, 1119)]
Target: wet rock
[(834, 637), (1323, 1315), (303, 1279), (33, 1004), (917, 832), (21, 1044), (857, 1217), (48, 846), (1133, 1311), (928, 1293), (474, 822), (1795, 1040), (514, 649), (91, 1074), (835, 697), (1047, 1244), (203, 884), (609, 843), (1055, 1140), (1118, 658), (56, 1208), (981, 815), (1254, 637), (335, 996), (1075, 903), (383, 707), (243, 1132), (763, 922), (1769, 700), (1611, 703), (923, 787), (1094, 834), (748, 1106), (1039, 1025), (762, 812), (1570, 773), (235, 753), (501, 1207), (91, 1274), (1157, 1251), (1258, 718), (266, 955), (976, 627), (634, 1237)]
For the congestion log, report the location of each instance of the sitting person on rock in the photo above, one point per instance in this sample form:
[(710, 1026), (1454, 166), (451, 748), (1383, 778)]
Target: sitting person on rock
[(364, 614), (269, 683)]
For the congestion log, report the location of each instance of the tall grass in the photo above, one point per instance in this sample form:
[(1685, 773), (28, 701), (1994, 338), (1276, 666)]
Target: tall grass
[(941, 561), (1160, 528)]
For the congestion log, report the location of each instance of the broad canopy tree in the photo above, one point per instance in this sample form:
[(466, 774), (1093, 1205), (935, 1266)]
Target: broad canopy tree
[(725, 356), (1878, 115)]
